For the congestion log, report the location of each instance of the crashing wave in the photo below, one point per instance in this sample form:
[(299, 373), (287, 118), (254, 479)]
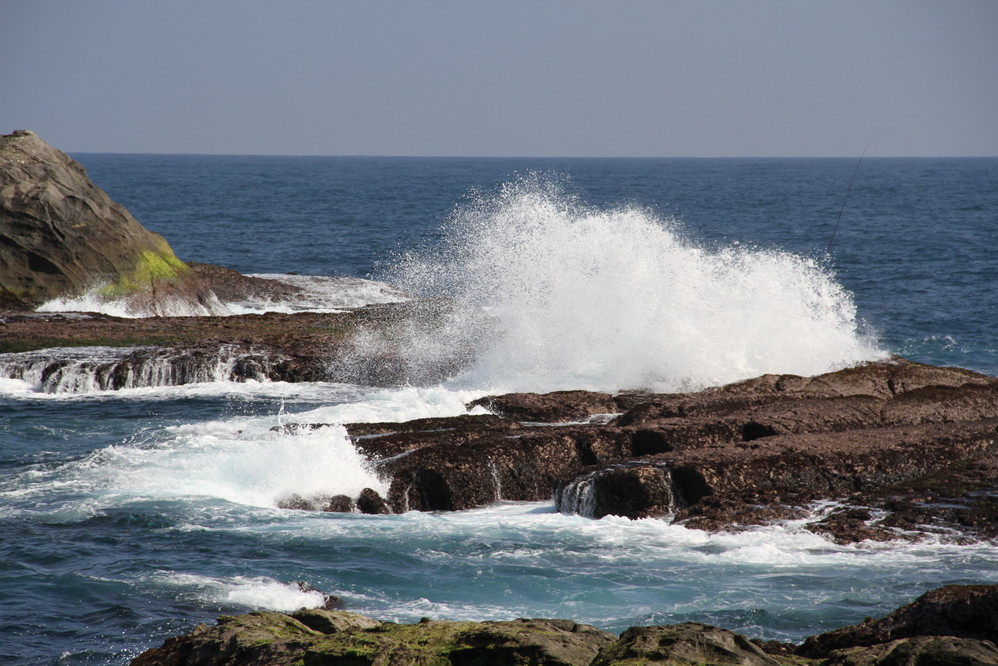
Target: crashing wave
[(616, 299)]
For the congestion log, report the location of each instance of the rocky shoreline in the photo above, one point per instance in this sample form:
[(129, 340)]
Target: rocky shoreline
[(949, 625), (882, 451), (274, 346), (887, 450)]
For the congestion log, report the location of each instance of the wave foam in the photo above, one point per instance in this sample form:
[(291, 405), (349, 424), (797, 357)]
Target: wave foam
[(241, 460), (257, 593), (617, 299), (93, 301)]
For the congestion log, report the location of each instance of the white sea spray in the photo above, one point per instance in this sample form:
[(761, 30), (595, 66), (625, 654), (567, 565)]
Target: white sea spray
[(580, 297)]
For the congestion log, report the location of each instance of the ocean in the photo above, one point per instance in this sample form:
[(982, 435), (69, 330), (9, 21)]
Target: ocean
[(127, 517)]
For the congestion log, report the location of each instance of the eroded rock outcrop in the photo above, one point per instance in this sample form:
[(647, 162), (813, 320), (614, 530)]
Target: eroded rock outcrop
[(337, 637), (62, 237), (904, 448), (115, 352), (961, 611), (950, 625)]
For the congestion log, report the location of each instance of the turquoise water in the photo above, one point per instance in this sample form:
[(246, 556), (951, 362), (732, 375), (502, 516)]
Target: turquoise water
[(128, 517)]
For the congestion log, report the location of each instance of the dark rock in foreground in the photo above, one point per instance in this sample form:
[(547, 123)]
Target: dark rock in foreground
[(962, 611), (337, 637), (919, 651), (950, 625), (687, 643)]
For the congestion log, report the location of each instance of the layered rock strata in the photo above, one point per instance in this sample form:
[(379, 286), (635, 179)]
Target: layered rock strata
[(893, 450), (298, 347)]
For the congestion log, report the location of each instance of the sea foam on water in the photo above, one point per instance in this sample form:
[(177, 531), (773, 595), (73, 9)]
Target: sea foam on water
[(614, 299)]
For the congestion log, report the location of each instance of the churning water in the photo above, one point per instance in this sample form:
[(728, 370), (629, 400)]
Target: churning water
[(129, 516), (613, 299)]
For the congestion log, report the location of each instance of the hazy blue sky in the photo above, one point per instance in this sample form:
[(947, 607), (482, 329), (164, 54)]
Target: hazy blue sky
[(539, 77)]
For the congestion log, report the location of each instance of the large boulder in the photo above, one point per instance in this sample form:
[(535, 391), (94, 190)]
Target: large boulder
[(963, 611), (62, 237), (934, 650), (688, 643)]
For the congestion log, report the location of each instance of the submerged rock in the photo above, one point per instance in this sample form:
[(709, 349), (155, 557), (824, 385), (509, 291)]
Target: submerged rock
[(62, 237)]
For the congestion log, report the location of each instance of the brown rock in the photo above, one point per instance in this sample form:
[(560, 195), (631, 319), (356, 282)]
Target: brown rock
[(232, 286), (964, 611), (927, 650), (340, 504), (523, 641), (556, 407), (687, 643), (327, 621), (255, 639), (370, 502), (442, 471), (634, 491), (785, 470)]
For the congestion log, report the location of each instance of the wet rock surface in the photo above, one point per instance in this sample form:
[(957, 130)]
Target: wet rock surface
[(337, 637), (962, 611), (928, 650), (884, 451), (949, 625), (298, 347), (231, 286), (687, 643), (548, 407)]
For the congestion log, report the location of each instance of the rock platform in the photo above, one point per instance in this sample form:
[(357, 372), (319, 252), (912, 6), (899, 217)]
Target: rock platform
[(887, 450), (949, 625)]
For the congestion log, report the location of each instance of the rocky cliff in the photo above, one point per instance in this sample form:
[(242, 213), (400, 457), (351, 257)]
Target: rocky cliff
[(61, 236)]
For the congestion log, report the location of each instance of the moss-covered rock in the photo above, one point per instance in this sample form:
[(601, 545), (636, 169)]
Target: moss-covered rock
[(687, 643), (950, 625), (319, 637)]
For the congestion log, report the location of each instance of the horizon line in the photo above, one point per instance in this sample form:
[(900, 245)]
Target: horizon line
[(533, 157)]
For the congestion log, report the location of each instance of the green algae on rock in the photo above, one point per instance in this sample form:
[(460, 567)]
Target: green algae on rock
[(339, 637)]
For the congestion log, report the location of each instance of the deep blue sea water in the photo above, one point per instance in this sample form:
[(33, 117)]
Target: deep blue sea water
[(128, 517)]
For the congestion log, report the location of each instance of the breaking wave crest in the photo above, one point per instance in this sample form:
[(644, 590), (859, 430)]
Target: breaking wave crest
[(580, 297)]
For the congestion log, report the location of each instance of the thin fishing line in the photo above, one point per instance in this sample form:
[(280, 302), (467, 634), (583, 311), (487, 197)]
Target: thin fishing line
[(849, 189)]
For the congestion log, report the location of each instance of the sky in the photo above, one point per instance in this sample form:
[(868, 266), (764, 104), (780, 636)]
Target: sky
[(556, 78)]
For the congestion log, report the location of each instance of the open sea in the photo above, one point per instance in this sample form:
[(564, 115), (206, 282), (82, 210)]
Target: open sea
[(127, 517)]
